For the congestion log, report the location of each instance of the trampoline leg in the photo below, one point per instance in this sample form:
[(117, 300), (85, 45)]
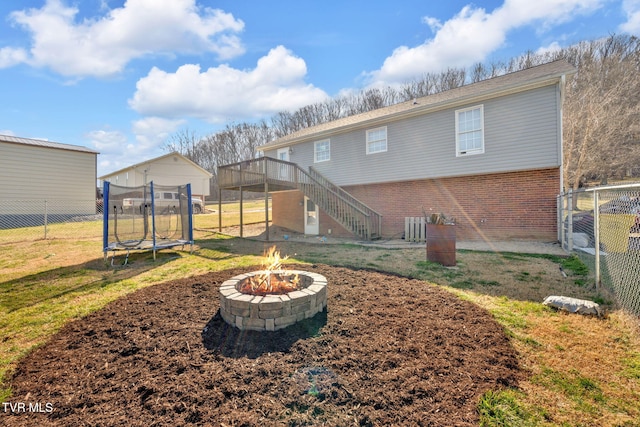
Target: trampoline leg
[(126, 259)]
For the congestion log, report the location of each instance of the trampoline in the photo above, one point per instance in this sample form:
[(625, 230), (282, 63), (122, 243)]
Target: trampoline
[(146, 218)]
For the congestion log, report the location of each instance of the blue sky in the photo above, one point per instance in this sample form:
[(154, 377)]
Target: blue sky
[(123, 76)]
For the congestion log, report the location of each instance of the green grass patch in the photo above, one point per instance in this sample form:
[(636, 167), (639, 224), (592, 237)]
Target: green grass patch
[(571, 264), (632, 366), (463, 284), (504, 409), (585, 392)]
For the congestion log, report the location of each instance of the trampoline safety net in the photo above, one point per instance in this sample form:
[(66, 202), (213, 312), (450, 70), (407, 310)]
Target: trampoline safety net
[(149, 217)]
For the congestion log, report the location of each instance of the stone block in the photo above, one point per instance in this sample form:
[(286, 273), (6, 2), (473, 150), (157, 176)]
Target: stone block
[(228, 317), (270, 314), (243, 305), (271, 302), (229, 292), (224, 304), (254, 323), (230, 282), (239, 321), (237, 311), (296, 295), (301, 308), (270, 324), (285, 320), (311, 312), (315, 288)]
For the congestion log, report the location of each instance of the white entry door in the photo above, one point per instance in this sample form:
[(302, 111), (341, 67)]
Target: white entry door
[(311, 218), (283, 154), (283, 172)]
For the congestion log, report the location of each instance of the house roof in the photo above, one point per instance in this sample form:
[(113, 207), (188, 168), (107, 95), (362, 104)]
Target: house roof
[(541, 75), (173, 153), (46, 144)]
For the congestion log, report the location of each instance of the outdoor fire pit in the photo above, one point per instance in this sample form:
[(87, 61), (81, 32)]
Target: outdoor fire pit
[(273, 298)]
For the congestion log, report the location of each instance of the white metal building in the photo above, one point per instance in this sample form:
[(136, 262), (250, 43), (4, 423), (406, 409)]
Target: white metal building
[(170, 169), (33, 169)]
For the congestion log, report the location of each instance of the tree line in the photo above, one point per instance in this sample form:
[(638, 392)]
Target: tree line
[(601, 117)]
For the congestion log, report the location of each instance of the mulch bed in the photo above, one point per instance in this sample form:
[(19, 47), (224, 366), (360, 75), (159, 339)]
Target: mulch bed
[(388, 351)]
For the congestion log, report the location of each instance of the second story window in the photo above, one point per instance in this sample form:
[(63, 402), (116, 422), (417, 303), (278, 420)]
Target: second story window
[(377, 140), (322, 151), (470, 131)]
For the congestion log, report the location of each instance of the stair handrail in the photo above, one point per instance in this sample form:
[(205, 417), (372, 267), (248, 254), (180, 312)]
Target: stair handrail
[(259, 166), (344, 194)]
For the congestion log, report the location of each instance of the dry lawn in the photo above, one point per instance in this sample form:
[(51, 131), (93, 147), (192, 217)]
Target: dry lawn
[(581, 371)]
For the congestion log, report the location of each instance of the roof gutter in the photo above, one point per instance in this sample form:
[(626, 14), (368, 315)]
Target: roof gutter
[(420, 110)]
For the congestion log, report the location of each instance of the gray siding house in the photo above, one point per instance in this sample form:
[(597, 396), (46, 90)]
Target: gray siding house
[(488, 153), (33, 170)]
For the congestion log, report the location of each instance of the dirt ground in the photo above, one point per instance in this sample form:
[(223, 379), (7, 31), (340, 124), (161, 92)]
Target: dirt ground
[(388, 351)]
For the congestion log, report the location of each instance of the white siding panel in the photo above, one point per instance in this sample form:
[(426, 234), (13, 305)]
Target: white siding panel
[(31, 172), (165, 170)]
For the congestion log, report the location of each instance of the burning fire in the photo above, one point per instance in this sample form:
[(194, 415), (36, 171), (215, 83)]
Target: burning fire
[(274, 281)]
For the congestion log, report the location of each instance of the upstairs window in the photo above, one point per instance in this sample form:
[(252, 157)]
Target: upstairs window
[(470, 131), (377, 140), (322, 151)]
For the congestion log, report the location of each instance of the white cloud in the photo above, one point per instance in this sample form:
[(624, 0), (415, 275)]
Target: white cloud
[(103, 47), (433, 23), (10, 57), (151, 133), (117, 151), (106, 141), (471, 35), (632, 10), (222, 93), (553, 47)]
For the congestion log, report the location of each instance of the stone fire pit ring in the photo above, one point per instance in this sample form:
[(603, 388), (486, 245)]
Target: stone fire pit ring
[(272, 312)]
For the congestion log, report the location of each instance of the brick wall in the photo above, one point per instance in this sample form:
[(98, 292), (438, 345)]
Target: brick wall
[(503, 206), (287, 210), (514, 205)]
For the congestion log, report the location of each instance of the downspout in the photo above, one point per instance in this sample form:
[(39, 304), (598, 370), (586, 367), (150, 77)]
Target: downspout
[(563, 82)]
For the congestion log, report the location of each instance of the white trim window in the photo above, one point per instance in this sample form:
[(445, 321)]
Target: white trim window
[(377, 140), (322, 151), (470, 131)]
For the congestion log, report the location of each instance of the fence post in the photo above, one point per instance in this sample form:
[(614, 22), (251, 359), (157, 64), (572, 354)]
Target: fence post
[(570, 221), (559, 218), (596, 235), (45, 220)]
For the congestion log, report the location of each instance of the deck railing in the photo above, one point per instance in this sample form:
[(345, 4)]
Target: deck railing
[(337, 203)]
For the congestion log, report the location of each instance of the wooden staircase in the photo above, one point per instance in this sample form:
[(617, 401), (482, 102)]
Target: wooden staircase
[(268, 174)]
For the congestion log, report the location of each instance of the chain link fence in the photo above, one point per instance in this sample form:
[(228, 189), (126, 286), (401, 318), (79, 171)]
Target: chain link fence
[(602, 226), (27, 220)]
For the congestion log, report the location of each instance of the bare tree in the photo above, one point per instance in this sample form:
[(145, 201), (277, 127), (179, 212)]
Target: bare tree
[(184, 141), (601, 110)]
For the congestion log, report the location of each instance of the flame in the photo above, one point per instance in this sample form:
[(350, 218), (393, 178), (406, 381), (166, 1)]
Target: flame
[(273, 281)]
